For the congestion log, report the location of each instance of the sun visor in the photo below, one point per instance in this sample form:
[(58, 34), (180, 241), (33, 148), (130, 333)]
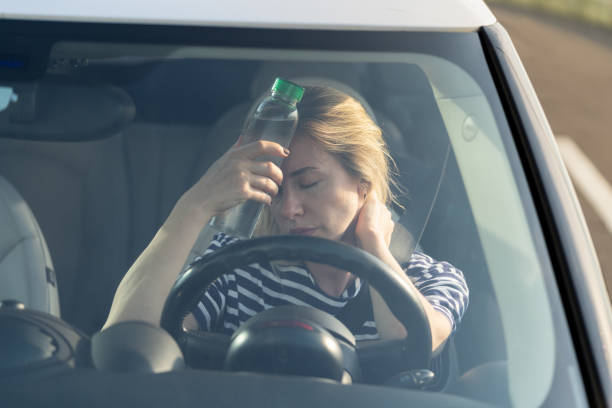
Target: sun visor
[(58, 111)]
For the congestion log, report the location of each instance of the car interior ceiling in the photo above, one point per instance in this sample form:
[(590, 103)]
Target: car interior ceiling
[(102, 187)]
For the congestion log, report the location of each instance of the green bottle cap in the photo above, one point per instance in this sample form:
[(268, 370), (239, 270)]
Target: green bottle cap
[(289, 89)]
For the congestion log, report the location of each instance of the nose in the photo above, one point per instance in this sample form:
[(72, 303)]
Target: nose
[(291, 205)]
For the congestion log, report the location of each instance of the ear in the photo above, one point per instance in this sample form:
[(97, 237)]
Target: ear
[(363, 189)]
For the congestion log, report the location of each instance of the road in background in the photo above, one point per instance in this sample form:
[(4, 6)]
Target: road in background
[(570, 66), (594, 12)]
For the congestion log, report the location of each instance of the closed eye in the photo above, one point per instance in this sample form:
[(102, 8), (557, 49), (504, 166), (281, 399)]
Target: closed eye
[(305, 186)]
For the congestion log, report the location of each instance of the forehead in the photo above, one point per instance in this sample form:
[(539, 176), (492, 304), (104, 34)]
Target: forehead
[(306, 152)]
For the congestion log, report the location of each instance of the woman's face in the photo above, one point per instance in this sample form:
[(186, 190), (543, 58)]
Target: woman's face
[(318, 196)]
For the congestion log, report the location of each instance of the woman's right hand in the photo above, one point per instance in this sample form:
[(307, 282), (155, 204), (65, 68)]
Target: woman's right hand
[(237, 176)]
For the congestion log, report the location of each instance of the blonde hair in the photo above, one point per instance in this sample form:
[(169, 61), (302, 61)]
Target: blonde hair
[(343, 128)]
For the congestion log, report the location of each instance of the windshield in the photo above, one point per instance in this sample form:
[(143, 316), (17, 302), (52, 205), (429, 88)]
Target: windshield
[(112, 136)]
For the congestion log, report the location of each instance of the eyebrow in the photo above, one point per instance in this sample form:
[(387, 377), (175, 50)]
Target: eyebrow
[(302, 170)]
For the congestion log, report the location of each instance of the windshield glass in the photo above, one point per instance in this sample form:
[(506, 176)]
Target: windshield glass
[(111, 140)]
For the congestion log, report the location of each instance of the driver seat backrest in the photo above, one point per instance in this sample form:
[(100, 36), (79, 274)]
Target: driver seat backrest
[(26, 269), (229, 125)]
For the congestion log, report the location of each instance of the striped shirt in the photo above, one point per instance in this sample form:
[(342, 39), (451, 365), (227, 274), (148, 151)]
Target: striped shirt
[(237, 296)]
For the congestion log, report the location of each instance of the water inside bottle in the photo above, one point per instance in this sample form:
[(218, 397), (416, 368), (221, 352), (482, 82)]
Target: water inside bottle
[(279, 130)]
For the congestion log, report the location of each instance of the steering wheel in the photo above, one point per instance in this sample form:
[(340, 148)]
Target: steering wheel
[(413, 352)]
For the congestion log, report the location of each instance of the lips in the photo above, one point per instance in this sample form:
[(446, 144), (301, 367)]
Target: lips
[(302, 231)]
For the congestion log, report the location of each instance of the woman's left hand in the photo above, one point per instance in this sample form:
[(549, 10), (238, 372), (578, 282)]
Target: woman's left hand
[(374, 225), (373, 234)]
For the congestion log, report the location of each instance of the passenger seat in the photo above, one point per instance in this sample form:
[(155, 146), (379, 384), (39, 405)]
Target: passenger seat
[(26, 269)]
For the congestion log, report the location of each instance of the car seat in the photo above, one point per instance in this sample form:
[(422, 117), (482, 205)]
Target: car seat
[(229, 126), (26, 269), (50, 151)]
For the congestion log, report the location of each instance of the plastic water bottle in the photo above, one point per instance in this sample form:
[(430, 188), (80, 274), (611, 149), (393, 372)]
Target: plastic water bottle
[(274, 119)]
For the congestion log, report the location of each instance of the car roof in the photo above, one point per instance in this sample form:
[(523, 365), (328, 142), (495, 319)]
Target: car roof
[(421, 15)]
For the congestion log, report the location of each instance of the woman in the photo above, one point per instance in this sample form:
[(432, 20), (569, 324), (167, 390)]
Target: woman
[(334, 183)]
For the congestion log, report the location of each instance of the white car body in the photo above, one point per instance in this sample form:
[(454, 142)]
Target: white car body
[(445, 15), (571, 246)]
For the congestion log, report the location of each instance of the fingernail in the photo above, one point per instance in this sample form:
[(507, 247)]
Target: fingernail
[(286, 151)]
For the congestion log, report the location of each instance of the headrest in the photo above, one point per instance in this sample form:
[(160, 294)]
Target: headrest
[(338, 75), (60, 111), (298, 69), (342, 87), (334, 75), (399, 79)]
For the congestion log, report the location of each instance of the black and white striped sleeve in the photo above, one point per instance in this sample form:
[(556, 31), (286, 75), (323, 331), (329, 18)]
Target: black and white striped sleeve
[(441, 284), (211, 306)]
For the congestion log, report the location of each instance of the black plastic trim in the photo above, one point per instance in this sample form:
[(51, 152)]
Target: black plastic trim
[(41, 35), (219, 36)]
